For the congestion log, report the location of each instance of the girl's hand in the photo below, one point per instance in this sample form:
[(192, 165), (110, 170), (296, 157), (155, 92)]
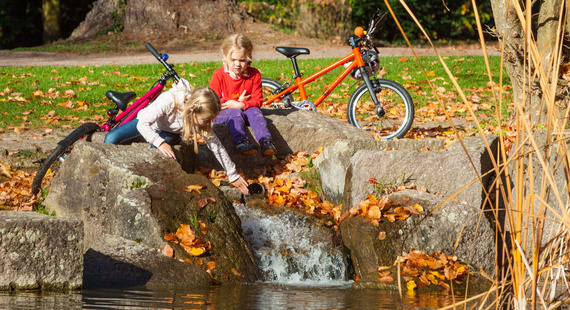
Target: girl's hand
[(243, 97), (241, 184), (167, 150), (232, 104)]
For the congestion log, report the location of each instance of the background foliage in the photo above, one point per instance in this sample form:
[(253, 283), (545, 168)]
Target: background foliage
[(444, 20), (332, 20)]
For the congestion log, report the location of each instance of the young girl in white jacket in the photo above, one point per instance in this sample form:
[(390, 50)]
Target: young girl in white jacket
[(175, 112)]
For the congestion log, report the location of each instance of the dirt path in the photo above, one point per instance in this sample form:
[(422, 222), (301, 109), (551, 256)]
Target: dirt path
[(263, 51)]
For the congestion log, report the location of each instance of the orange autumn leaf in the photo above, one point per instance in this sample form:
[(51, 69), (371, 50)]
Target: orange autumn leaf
[(184, 229), (418, 207), (211, 265), (187, 240), (279, 200), (382, 235), (374, 212), (236, 272), (171, 237), (441, 283), (390, 217), (450, 273), (195, 189), (205, 201), (387, 279), (196, 251), (167, 250)]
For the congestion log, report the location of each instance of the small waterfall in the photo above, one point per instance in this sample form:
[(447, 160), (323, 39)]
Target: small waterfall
[(289, 249)]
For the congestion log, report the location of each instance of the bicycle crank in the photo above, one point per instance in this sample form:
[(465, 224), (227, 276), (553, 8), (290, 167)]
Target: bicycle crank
[(304, 105)]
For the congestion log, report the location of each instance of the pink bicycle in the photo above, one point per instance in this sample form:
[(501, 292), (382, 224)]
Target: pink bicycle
[(121, 100)]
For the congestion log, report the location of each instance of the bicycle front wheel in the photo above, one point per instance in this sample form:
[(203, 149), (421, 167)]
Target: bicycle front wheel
[(397, 103), (61, 148), (269, 88)]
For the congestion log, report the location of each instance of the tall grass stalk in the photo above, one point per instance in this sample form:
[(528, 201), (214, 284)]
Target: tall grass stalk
[(533, 236)]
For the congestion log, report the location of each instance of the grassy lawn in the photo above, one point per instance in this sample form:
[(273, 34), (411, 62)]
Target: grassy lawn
[(34, 98)]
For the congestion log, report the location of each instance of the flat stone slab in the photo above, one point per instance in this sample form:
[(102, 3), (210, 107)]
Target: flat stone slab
[(40, 252)]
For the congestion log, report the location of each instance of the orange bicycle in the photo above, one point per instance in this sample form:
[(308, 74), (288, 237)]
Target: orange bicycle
[(379, 105)]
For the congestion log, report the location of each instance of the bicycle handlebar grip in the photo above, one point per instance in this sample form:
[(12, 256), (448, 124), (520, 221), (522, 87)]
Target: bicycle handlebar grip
[(153, 51)]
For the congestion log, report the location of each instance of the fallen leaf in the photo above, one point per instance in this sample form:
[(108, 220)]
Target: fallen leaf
[(236, 273), (411, 285), (196, 251), (387, 279), (211, 265), (167, 250), (205, 201), (195, 189)]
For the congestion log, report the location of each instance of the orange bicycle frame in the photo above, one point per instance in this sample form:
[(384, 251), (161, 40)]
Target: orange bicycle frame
[(300, 82)]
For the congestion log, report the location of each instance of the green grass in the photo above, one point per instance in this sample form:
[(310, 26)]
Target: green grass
[(29, 94)]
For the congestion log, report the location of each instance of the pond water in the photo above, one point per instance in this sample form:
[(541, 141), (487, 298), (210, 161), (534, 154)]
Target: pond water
[(300, 270), (249, 296)]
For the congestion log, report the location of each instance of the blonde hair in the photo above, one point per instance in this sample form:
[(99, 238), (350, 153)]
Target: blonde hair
[(237, 42), (204, 103)]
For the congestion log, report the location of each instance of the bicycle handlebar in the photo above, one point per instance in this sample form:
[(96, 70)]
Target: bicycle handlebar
[(158, 57)]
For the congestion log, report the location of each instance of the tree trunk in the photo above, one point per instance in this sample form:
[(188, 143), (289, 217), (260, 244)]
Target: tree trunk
[(520, 64), (99, 19), (51, 17), (199, 18)]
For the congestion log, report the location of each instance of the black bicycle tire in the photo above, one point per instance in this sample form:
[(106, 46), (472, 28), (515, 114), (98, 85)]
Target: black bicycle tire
[(60, 148), (362, 90), (273, 84)]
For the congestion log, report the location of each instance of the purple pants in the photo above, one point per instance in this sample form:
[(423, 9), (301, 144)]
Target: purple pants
[(237, 120)]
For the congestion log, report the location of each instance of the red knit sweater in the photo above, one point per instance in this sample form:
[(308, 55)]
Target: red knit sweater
[(229, 88)]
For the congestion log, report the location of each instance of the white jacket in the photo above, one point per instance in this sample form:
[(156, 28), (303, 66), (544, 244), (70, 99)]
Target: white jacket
[(162, 115)]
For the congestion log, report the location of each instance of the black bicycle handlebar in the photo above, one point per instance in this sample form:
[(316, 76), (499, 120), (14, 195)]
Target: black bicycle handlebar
[(158, 57)]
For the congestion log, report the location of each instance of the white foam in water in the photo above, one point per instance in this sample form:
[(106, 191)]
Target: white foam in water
[(287, 252)]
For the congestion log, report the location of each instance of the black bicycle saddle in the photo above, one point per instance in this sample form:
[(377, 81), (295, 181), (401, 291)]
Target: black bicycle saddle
[(292, 51), (121, 99)]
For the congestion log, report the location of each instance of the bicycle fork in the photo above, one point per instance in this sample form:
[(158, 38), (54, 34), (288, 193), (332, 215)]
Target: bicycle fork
[(371, 89)]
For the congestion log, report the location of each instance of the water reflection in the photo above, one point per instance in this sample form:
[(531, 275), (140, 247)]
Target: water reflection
[(247, 296)]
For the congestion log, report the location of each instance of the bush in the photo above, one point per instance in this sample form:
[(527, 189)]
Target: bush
[(326, 19), (442, 20)]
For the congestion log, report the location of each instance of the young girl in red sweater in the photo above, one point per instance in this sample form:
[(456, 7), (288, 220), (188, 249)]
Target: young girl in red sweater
[(239, 87)]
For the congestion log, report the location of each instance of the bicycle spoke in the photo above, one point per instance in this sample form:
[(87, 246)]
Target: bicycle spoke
[(398, 112)]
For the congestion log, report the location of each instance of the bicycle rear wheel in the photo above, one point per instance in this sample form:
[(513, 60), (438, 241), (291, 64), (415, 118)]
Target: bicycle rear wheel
[(270, 87), (397, 103), (61, 148)]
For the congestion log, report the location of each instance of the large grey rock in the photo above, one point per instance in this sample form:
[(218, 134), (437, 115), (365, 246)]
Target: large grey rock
[(444, 172), (554, 151), (291, 130), (134, 192), (334, 160), (40, 252), (113, 261), (454, 229)]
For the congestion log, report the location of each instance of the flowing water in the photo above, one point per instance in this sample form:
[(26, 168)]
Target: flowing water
[(299, 273)]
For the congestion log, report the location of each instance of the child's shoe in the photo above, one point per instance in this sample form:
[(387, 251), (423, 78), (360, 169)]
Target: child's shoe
[(267, 147), (245, 148)]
